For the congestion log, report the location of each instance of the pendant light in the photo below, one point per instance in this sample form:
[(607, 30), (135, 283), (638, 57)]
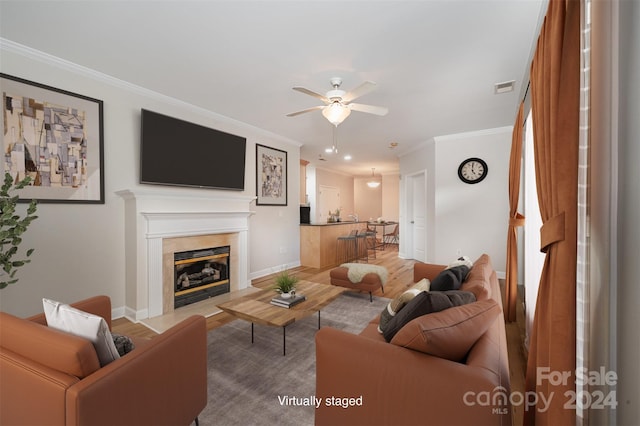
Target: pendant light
[(373, 183)]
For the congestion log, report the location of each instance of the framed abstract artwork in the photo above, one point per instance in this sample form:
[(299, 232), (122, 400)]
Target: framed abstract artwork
[(55, 137), (271, 176)]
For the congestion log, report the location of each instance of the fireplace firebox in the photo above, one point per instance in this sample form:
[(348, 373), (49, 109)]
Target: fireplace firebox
[(200, 274)]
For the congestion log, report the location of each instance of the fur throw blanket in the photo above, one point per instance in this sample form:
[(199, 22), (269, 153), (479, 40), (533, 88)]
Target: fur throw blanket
[(357, 271)]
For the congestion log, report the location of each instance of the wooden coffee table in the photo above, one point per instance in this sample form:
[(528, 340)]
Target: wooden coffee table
[(257, 308)]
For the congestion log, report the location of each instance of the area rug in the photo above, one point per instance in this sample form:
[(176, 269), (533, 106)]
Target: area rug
[(254, 384)]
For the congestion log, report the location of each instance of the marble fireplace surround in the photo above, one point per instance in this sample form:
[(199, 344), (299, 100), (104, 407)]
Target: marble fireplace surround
[(159, 223)]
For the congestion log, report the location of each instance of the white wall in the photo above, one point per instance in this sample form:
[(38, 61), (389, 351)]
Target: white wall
[(419, 160), (323, 177), (368, 201), (391, 196), (470, 219), (80, 249), (615, 206), (628, 232)]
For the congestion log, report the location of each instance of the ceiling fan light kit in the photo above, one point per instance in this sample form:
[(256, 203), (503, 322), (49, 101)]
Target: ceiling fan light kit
[(336, 113)]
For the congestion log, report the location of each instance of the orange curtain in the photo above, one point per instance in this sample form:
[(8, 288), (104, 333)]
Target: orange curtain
[(555, 97), (515, 218)]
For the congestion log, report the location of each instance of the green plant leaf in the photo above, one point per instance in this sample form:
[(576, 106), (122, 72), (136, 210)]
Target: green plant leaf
[(12, 225)]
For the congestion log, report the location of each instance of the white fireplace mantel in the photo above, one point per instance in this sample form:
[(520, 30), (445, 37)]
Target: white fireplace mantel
[(153, 216), (182, 224)]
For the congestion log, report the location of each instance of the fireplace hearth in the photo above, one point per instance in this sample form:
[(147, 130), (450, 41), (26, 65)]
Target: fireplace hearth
[(201, 274)]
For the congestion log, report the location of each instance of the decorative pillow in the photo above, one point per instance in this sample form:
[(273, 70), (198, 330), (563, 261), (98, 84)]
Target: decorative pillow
[(400, 302), (478, 287), (449, 334), (453, 276), (91, 327), (482, 269), (426, 303), (123, 344), (462, 260), (479, 278)]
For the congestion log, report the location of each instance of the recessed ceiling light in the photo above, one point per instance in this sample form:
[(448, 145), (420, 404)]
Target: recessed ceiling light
[(347, 157), (392, 145), (328, 150), (504, 87)]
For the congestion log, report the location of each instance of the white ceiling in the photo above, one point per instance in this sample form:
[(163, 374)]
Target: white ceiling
[(435, 62)]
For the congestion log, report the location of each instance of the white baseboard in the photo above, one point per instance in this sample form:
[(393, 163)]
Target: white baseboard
[(117, 312), (272, 270), (130, 314)]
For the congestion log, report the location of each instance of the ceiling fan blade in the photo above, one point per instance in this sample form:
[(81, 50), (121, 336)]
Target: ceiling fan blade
[(293, 114), (312, 93), (371, 109), (363, 89)]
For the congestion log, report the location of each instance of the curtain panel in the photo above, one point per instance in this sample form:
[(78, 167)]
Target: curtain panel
[(515, 219), (555, 97)]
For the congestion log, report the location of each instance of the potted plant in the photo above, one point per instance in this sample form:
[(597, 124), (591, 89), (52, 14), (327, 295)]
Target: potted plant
[(12, 226), (285, 283)]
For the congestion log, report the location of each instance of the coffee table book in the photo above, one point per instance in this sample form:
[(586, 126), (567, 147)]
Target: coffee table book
[(287, 303)]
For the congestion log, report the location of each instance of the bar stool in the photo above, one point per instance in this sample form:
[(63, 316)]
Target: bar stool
[(392, 237), (362, 246), (372, 241), (346, 247)]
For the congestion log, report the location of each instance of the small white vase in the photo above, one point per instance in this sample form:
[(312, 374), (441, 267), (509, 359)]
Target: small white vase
[(286, 295)]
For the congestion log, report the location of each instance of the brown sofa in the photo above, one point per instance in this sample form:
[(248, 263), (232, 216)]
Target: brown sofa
[(393, 384), (49, 377)]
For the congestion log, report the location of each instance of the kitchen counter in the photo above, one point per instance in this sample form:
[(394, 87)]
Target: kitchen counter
[(318, 242)]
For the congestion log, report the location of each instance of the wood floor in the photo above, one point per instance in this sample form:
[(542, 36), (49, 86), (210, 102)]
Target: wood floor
[(400, 279)]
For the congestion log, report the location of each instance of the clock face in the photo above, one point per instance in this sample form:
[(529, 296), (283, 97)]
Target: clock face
[(473, 170)]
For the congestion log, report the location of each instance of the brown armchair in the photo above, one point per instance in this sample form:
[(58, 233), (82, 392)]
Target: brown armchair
[(49, 377)]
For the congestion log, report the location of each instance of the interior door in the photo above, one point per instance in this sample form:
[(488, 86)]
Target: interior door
[(417, 216)]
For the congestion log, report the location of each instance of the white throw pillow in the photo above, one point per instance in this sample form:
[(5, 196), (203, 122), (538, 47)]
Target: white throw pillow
[(82, 324)]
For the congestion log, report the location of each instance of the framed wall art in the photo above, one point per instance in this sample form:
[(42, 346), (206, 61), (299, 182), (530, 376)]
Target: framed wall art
[(55, 137), (271, 176)]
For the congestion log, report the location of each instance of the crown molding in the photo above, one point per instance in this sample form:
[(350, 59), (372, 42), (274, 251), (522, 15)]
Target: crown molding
[(475, 133), (46, 58)]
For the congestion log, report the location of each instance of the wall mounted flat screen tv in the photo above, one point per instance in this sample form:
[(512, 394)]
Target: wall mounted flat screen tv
[(176, 152)]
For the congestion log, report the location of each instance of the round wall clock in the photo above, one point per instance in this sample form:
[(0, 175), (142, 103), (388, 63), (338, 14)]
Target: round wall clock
[(473, 170)]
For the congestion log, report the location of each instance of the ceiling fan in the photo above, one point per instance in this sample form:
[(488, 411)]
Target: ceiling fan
[(338, 103)]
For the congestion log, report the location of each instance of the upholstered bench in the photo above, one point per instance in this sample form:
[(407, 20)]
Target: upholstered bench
[(358, 276)]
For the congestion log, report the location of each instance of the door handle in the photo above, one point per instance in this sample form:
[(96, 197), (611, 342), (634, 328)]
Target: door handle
[(412, 222)]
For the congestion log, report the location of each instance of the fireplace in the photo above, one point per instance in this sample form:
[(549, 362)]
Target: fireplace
[(200, 274), (163, 222)]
